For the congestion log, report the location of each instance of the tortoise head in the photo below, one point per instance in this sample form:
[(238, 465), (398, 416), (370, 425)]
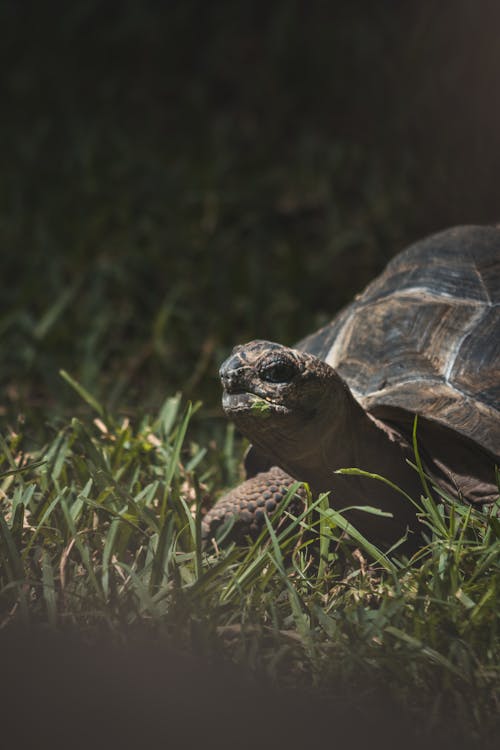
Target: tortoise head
[(282, 399)]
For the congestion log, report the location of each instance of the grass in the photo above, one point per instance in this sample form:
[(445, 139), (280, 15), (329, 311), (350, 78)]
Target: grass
[(101, 531)]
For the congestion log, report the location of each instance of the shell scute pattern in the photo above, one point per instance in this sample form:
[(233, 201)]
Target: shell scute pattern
[(425, 335), (407, 339), (483, 348), (461, 263)]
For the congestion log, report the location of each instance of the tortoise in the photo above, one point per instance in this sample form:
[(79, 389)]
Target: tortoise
[(422, 339)]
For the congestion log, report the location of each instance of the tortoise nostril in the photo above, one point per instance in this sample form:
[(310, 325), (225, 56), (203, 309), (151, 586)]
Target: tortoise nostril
[(232, 384), (231, 378), (232, 373)]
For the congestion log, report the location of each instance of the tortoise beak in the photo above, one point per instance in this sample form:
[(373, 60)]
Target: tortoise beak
[(231, 374)]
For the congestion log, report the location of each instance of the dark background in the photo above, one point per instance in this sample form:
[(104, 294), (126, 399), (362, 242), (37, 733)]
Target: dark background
[(178, 177)]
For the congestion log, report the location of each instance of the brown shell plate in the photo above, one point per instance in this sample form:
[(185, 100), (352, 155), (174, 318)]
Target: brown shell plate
[(424, 337)]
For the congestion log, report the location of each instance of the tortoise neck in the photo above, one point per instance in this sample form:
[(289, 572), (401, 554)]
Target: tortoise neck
[(344, 441), (339, 434), (350, 438)]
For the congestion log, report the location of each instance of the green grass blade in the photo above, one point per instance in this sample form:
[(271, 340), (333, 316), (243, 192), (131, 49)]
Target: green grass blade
[(173, 460), (49, 588), (81, 547), (430, 653), (146, 600), (370, 475), (82, 392), (21, 469), (12, 568), (338, 519), (52, 315), (418, 461)]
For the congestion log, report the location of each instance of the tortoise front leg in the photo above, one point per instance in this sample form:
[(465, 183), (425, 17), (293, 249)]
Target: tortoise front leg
[(249, 502)]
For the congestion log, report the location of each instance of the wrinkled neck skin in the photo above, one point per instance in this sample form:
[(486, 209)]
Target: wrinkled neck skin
[(337, 433)]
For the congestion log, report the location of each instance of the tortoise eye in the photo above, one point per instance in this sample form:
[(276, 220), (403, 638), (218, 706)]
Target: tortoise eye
[(278, 372)]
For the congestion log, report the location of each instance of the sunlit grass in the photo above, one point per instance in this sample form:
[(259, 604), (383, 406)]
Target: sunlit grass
[(101, 528)]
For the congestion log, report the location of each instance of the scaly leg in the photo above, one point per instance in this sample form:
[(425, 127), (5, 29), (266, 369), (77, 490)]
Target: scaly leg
[(249, 502)]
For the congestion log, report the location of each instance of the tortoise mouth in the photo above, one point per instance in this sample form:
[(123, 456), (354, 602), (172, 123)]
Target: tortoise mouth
[(251, 404)]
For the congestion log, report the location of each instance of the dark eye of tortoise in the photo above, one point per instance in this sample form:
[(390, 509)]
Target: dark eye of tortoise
[(278, 372)]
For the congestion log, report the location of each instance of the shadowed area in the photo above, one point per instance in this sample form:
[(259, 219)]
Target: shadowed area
[(180, 177), (59, 689)]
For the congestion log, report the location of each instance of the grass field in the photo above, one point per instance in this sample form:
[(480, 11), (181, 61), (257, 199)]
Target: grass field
[(177, 179), (100, 532)]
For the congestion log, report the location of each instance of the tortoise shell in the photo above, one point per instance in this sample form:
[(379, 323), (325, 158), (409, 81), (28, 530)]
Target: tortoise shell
[(424, 337)]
